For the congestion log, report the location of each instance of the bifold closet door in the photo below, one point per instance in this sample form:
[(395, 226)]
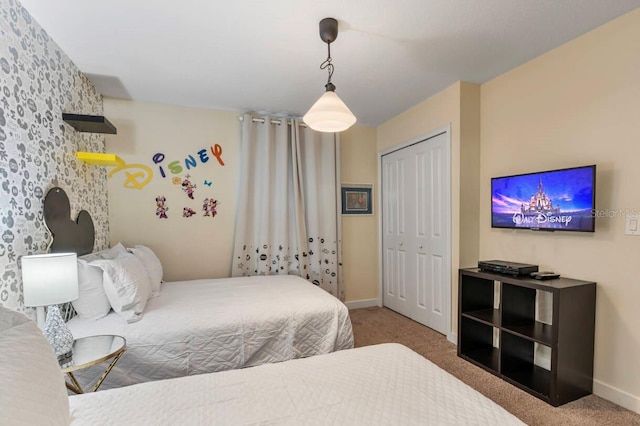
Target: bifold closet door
[(415, 189)]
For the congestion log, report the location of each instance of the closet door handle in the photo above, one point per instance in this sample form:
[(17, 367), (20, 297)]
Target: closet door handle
[(400, 243), (420, 246)]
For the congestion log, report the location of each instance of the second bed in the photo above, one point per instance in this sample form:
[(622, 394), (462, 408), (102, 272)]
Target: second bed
[(203, 326)]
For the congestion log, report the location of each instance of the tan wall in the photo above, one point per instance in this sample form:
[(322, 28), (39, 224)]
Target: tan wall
[(434, 113), (577, 105), (201, 247), (360, 233), (189, 248), (469, 173)]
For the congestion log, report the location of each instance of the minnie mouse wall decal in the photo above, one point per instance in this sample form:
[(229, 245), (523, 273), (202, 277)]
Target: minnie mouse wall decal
[(161, 207)]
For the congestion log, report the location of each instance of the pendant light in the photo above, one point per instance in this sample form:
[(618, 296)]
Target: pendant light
[(329, 113)]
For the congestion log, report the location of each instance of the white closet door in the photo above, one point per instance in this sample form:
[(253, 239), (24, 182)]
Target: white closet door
[(415, 201), (395, 238)]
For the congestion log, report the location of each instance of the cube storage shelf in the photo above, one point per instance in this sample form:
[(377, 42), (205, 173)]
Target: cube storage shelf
[(503, 340)]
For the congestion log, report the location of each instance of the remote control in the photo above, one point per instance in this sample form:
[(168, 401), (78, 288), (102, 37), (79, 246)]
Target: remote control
[(545, 275)]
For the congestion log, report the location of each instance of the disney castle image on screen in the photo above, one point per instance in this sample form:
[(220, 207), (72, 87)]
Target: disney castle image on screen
[(553, 200)]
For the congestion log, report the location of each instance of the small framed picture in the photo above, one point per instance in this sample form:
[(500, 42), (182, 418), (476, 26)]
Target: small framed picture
[(357, 199)]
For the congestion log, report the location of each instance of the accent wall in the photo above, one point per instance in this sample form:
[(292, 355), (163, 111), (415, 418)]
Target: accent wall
[(37, 149)]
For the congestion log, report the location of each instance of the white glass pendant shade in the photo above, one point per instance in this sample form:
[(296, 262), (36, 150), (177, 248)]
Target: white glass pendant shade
[(329, 114)]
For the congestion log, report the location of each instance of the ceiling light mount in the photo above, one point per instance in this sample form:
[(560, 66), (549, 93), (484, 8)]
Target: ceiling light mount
[(328, 30), (329, 113)]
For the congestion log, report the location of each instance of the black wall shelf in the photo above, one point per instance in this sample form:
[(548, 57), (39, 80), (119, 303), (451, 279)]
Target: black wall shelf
[(89, 123)]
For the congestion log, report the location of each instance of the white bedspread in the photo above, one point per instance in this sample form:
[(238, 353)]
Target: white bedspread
[(375, 385), (211, 325)]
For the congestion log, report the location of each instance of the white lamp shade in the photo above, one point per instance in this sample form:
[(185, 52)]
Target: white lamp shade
[(49, 279), (329, 114)]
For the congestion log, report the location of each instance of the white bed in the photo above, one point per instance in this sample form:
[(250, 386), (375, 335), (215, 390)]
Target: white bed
[(190, 327), (203, 326), (376, 385), (383, 384)]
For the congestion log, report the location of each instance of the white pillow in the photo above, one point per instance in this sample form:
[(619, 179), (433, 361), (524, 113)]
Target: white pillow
[(126, 285), (152, 265), (92, 302), (110, 253), (33, 390)]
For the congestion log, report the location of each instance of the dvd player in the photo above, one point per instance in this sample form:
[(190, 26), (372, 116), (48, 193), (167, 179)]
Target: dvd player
[(504, 267)]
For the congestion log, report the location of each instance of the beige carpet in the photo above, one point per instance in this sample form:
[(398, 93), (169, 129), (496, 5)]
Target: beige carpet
[(381, 325)]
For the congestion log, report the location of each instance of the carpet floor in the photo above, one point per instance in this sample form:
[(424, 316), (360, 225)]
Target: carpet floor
[(381, 325)]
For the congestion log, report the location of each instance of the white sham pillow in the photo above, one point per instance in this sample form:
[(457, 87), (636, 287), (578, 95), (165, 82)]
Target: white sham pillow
[(33, 390), (152, 265), (126, 285), (92, 302), (113, 252), (110, 253)]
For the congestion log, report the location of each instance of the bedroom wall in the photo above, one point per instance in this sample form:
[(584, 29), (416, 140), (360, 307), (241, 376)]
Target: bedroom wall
[(432, 114), (577, 105), (37, 149), (192, 247), (360, 233), (201, 246)]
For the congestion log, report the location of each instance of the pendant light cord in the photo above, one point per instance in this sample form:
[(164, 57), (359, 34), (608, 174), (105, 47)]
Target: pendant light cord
[(328, 65)]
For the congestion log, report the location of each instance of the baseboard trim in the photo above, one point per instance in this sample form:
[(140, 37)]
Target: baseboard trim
[(453, 338), (617, 396), (364, 303)]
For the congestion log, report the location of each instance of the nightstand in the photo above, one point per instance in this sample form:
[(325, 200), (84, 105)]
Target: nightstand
[(90, 351)]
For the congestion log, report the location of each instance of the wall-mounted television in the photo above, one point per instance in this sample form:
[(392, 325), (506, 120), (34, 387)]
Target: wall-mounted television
[(553, 200)]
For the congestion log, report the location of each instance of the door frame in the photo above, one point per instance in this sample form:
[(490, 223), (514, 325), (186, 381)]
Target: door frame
[(446, 130)]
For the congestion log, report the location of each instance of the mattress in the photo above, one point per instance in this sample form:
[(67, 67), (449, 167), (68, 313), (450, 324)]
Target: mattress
[(386, 384), (203, 326)]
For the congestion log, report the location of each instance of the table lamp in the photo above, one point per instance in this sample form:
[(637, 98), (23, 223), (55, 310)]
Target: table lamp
[(47, 280)]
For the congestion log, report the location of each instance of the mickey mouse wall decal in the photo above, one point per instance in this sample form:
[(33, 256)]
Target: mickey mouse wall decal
[(68, 235)]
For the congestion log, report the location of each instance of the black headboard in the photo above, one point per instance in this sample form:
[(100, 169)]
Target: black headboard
[(68, 236)]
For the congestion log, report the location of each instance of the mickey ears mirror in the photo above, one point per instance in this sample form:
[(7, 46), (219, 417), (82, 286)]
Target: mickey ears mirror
[(68, 235)]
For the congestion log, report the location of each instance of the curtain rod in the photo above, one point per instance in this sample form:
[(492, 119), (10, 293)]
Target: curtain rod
[(278, 122)]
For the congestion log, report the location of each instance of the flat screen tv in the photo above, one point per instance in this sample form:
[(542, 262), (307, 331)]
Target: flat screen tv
[(553, 200)]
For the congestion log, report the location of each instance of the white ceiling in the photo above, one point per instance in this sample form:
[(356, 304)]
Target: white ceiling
[(264, 56)]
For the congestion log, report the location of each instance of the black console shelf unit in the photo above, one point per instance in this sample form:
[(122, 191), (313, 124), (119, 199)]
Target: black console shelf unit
[(502, 339)]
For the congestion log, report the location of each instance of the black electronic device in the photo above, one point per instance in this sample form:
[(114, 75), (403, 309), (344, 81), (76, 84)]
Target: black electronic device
[(545, 275), (505, 267)]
